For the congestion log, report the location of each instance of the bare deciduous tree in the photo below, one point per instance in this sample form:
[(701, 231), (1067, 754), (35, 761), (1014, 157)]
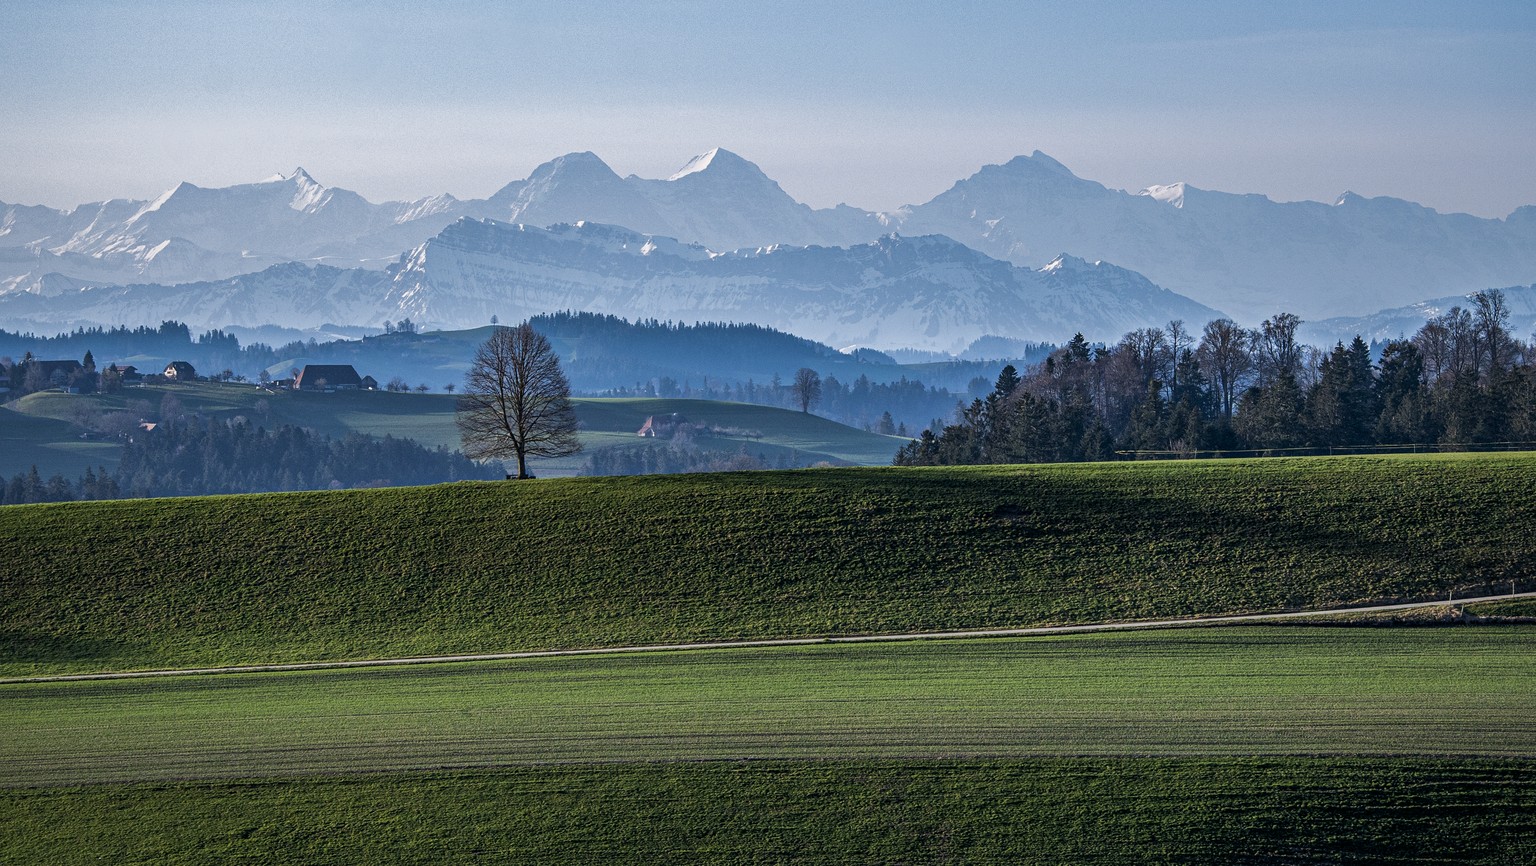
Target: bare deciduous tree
[(807, 388), (1490, 325), (516, 400), (1179, 339), (1276, 351), (1224, 357)]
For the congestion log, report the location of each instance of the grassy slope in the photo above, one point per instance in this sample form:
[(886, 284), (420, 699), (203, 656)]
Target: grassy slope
[(1200, 692), (1100, 811), (495, 566), (48, 444), (428, 418), (1525, 607)]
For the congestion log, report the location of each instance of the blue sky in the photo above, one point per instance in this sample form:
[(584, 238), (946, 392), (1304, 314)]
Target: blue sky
[(877, 104)]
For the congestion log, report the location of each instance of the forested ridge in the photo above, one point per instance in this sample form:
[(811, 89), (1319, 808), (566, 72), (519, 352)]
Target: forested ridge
[(1462, 380)]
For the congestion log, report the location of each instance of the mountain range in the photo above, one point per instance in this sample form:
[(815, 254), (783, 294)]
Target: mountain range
[(1243, 254), (1405, 321), (927, 292)]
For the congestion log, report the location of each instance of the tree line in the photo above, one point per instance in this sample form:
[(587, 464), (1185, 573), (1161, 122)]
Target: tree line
[(191, 456), (1462, 379)]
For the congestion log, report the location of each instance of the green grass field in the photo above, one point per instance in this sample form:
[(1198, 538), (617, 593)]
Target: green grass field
[(1231, 745), (34, 429), (489, 567), (1201, 692), (1525, 607), (1132, 811)]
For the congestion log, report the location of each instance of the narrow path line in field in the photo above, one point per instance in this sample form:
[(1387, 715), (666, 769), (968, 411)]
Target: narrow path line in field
[(774, 642)]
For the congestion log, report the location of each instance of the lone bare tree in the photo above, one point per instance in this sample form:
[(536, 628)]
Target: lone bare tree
[(516, 401), (807, 388)]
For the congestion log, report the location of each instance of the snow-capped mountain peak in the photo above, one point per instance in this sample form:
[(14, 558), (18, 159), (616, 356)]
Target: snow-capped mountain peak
[(1246, 254), (571, 188), (1170, 194), (697, 164), (1065, 263), (721, 163), (182, 188), (308, 194)]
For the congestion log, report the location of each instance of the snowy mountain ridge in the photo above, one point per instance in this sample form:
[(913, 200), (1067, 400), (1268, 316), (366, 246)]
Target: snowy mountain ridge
[(924, 292), (1243, 253)]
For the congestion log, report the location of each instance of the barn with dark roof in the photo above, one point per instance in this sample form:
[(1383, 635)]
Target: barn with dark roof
[(327, 377)]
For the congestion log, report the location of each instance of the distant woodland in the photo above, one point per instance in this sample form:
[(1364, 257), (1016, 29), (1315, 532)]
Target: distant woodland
[(601, 355), (190, 456), (1462, 380)]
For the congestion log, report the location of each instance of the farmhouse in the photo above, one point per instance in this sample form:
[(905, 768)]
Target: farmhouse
[(180, 371), (53, 374), (327, 377), (660, 425)]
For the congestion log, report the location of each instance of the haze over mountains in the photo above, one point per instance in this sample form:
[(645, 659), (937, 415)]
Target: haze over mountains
[(1391, 324), (1244, 255), (926, 292)]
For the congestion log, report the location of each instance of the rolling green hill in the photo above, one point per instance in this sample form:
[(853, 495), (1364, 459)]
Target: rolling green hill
[(1191, 692), (1295, 745), (487, 567), (1237, 745), (1144, 811), (35, 427)]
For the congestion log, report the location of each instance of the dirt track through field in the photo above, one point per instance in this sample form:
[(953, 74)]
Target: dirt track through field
[(872, 638)]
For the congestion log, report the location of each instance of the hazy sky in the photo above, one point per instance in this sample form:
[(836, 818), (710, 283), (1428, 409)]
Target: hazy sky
[(876, 104)]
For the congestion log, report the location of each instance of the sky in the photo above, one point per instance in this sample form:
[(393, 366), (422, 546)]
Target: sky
[(876, 104)]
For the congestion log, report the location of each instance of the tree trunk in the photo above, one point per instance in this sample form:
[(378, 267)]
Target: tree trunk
[(522, 464)]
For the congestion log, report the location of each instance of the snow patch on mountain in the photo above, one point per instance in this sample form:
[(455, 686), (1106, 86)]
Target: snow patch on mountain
[(1170, 194), (698, 163)]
